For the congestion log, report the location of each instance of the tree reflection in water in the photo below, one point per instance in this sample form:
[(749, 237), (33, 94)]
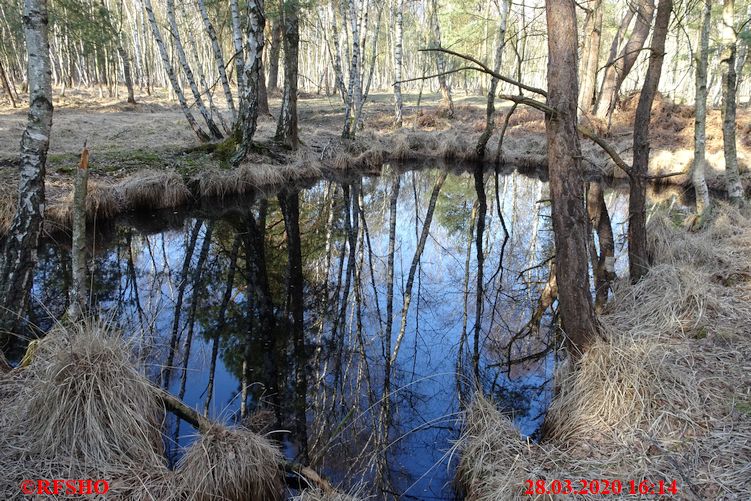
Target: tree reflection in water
[(351, 313)]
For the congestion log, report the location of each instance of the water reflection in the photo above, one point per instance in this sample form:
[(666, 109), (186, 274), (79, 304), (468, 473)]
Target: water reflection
[(355, 314)]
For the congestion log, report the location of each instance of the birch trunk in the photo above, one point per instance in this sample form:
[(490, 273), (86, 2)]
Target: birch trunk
[(286, 130), (399, 37), (700, 121), (218, 59), (171, 75), (490, 109), (440, 62), (78, 289), (20, 248), (355, 85), (618, 68), (566, 183), (729, 77), (237, 42), (246, 126), (127, 75), (183, 59), (638, 256)]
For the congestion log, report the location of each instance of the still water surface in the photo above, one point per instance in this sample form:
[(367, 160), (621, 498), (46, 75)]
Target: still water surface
[(207, 291)]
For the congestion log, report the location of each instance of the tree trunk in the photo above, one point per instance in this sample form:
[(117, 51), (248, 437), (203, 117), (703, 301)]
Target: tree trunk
[(566, 183), (638, 257), (440, 62), (20, 248), (126, 72), (399, 38), (354, 96), (490, 109), (246, 126), (617, 69), (286, 130), (213, 128), (700, 121), (590, 56), (729, 47), (274, 51), (202, 136), (6, 85), (218, 58), (237, 42), (78, 289), (604, 265), (290, 206)]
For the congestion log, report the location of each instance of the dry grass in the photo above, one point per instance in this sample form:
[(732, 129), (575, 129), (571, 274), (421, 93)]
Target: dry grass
[(102, 202), (84, 409), (150, 189), (318, 495), (665, 397), (231, 464)]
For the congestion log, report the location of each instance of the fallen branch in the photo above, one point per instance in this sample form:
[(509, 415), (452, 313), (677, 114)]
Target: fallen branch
[(193, 417)]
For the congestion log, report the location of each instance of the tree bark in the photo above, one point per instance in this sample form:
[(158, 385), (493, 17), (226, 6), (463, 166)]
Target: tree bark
[(182, 58), (274, 51), (78, 289), (729, 77), (618, 68), (286, 130), (700, 120), (566, 184), (20, 247), (490, 109), (638, 256), (246, 126), (603, 265), (591, 56), (440, 62), (6, 85), (171, 75), (398, 40), (218, 58)]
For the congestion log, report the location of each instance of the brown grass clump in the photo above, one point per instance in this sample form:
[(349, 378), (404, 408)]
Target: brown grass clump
[(247, 176), (664, 397), (231, 464), (82, 409), (318, 495), (102, 202), (150, 189), (105, 410)]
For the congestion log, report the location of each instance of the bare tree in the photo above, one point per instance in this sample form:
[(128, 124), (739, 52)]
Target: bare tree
[(700, 120), (729, 77), (618, 68), (590, 55), (218, 58), (286, 129), (566, 184), (398, 40), (20, 247), (638, 256)]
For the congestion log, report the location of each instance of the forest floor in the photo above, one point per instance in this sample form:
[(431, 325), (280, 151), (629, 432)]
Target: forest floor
[(141, 152)]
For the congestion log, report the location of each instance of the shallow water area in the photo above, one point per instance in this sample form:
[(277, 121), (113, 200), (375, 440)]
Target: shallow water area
[(210, 293)]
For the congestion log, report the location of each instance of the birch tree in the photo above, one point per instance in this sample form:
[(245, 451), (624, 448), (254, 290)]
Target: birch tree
[(20, 247), (700, 118), (246, 126), (729, 77), (398, 40), (590, 55), (171, 75), (505, 7), (218, 58)]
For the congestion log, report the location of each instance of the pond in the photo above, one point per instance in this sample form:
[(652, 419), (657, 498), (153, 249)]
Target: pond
[(212, 295)]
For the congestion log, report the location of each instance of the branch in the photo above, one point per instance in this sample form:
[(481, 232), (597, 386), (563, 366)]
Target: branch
[(485, 69), (533, 103), (589, 134), (463, 68), (191, 416)]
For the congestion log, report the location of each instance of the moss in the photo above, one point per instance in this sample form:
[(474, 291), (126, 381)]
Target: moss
[(744, 407)]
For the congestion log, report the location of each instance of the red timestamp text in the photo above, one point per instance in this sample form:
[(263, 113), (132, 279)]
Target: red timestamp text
[(601, 487)]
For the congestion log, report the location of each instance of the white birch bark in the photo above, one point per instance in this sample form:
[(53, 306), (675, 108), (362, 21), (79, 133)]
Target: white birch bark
[(729, 47), (700, 121), (171, 75), (218, 59), (399, 37), (20, 250)]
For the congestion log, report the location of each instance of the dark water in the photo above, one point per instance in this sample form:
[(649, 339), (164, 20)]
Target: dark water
[(207, 291)]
